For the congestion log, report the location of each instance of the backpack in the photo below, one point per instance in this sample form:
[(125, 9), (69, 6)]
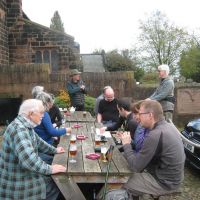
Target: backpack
[(117, 194)]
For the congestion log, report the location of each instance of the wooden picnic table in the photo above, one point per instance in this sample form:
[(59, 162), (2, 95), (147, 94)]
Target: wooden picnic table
[(86, 170), (78, 116)]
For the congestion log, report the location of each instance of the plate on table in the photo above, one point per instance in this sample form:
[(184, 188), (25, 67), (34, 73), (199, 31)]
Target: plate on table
[(81, 137), (77, 126), (93, 156)]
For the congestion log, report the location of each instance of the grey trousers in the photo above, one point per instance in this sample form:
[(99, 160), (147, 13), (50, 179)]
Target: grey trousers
[(144, 183)]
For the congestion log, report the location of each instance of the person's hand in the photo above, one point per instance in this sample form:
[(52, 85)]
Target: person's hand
[(54, 125), (68, 130), (103, 129), (125, 138), (57, 169), (82, 87), (60, 150)]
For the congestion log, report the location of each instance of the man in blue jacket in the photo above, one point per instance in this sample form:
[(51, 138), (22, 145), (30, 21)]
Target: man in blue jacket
[(76, 89)]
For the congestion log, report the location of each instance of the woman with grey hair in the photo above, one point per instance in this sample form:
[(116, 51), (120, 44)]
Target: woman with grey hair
[(46, 130), (23, 174), (36, 90)]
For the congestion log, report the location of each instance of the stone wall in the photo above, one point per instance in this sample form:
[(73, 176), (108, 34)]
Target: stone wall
[(18, 80), (14, 10), (4, 56), (33, 43)]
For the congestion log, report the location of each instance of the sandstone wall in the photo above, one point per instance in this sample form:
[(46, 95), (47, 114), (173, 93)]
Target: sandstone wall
[(4, 55)]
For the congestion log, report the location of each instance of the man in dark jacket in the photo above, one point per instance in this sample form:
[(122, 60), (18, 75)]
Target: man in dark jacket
[(76, 89)]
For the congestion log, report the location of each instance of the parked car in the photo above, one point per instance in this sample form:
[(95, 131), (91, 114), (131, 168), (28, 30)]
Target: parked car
[(191, 141)]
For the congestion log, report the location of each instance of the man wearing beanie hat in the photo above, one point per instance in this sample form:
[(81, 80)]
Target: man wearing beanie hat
[(165, 92), (76, 89)]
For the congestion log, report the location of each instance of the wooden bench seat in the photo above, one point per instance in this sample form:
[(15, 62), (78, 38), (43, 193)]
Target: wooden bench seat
[(172, 194), (68, 188)]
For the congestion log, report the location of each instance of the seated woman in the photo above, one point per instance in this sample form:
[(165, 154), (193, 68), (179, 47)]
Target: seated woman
[(46, 130), (55, 114), (137, 137), (24, 175), (140, 132)]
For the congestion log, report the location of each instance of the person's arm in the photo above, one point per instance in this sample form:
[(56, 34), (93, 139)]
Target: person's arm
[(138, 161), (73, 89), (26, 153), (117, 125), (164, 90), (99, 118), (49, 129)]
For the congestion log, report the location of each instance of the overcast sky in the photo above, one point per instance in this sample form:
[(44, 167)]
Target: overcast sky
[(110, 24)]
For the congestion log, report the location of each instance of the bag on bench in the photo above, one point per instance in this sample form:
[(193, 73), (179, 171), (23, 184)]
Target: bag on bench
[(117, 194)]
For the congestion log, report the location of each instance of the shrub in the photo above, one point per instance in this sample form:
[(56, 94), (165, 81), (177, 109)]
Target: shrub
[(89, 104), (62, 100), (150, 78)]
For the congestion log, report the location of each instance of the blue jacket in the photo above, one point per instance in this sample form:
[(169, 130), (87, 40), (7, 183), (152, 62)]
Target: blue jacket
[(46, 130)]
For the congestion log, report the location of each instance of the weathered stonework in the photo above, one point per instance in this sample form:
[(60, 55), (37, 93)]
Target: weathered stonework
[(23, 41), (4, 56)]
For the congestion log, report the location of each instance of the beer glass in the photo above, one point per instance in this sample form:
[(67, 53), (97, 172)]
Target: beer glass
[(73, 139), (97, 139), (72, 153), (103, 154), (84, 114)]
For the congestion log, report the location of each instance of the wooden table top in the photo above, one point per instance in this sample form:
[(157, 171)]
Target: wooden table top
[(78, 116), (91, 171)]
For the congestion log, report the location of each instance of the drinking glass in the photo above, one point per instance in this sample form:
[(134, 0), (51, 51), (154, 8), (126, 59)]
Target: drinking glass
[(97, 140), (73, 139), (72, 153), (103, 154), (84, 114)]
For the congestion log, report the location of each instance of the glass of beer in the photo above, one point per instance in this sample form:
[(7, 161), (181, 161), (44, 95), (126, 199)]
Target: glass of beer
[(72, 153), (73, 139), (103, 153), (84, 114), (97, 139)]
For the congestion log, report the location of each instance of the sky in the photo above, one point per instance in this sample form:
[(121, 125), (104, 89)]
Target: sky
[(110, 24)]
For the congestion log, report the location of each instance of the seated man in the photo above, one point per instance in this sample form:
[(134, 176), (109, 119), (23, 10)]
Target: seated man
[(162, 155), (24, 175), (98, 99), (127, 119), (108, 113)]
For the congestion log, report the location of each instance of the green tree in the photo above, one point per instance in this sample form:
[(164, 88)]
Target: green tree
[(56, 22), (161, 42), (190, 63), (116, 61)]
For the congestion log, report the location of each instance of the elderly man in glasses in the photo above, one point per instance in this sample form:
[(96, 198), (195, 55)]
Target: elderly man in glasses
[(159, 165), (24, 175), (164, 94)]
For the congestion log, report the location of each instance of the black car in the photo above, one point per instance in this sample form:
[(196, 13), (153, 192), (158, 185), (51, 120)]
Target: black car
[(191, 141)]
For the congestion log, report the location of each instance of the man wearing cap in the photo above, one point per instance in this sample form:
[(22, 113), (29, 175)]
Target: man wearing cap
[(76, 89), (165, 92)]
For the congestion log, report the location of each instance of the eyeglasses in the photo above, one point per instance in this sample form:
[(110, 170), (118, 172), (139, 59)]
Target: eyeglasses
[(144, 113), (39, 113)]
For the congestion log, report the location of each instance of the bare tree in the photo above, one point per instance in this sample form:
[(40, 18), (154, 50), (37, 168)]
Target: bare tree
[(161, 42)]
